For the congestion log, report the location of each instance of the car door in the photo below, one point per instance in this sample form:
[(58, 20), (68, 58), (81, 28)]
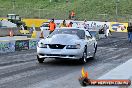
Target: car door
[(90, 43)]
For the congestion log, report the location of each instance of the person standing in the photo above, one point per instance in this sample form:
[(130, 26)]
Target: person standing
[(129, 29), (70, 24), (63, 24), (52, 26), (85, 25), (106, 30), (72, 15)]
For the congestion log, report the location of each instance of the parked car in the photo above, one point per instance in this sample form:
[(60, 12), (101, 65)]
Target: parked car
[(67, 43), (44, 26)]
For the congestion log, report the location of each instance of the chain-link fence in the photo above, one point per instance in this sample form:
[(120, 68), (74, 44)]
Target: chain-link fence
[(29, 10), (35, 13)]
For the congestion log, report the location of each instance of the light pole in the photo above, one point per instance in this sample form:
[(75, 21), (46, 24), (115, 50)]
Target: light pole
[(117, 1), (13, 5)]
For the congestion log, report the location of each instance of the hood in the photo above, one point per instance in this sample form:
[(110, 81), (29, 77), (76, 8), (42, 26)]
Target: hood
[(64, 39)]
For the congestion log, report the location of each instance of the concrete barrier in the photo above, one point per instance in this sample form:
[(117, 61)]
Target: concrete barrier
[(12, 44), (7, 46), (123, 71), (33, 43), (21, 45)]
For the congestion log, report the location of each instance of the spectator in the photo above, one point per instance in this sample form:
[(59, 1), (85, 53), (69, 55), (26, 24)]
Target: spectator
[(52, 26), (86, 26), (70, 24), (106, 30), (63, 24), (101, 31), (72, 14), (31, 30), (129, 29)]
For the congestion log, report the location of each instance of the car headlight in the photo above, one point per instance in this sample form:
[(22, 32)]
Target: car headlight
[(41, 45), (78, 46)]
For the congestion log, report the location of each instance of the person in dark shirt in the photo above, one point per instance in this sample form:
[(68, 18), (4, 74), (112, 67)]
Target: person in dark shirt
[(101, 31), (129, 30)]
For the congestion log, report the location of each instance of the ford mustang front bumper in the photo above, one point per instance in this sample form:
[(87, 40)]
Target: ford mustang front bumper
[(59, 53)]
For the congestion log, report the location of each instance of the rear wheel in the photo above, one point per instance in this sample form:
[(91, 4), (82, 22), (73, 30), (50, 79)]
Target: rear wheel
[(40, 60), (83, 60)]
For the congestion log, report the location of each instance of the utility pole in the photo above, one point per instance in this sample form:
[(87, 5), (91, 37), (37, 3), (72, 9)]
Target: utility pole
[(13, 1), (117, 1)]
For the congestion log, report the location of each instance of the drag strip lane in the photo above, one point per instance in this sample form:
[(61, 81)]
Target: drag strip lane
[(60, 74), (29, 73)]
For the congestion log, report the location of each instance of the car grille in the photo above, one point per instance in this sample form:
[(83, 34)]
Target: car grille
[(56, 55), (56, 46)]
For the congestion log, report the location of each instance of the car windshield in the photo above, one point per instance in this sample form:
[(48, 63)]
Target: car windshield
[(79, 33), (45, 25)]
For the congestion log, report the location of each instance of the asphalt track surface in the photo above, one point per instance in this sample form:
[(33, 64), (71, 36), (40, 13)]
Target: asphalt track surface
[(21, 69)]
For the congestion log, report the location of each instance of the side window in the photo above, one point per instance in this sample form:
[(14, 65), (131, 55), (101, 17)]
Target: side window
[(45, 25), (42, 25)]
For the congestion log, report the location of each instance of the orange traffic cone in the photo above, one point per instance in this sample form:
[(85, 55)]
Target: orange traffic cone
[(41, 35), (11, 33)]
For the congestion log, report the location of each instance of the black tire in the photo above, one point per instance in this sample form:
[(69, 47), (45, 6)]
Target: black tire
[(83, 60), (93, 57), (40, 60)]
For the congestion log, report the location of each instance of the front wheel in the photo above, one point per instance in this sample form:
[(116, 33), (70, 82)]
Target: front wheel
[(40, 60), (83, 60)]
